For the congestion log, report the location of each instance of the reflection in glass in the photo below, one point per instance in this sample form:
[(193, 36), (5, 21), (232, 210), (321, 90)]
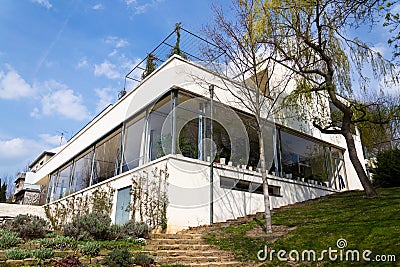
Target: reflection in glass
[(107, 158), (159, 139), (82, 172), (62, 184), (302, 158), (133, 141)]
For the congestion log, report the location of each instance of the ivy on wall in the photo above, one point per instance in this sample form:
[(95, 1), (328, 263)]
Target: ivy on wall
[(149, 197), (100, 199)]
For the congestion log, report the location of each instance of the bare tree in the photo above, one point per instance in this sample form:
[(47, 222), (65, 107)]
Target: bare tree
[(256, 80), (311, 40)]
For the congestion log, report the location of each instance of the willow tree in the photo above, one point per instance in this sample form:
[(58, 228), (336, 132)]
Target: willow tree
[(312, 41), (252, 77)]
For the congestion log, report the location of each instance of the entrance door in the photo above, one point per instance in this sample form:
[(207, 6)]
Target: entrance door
[(123, 200)]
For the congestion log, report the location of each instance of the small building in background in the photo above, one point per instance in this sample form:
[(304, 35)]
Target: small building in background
[(26, 193)]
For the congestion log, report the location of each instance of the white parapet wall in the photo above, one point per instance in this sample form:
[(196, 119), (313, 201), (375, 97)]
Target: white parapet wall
[(12, 210), (186, 184)]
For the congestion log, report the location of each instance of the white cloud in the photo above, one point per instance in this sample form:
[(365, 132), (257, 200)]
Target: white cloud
[(140, 7), (117, 42), (380, 48), (106, 69), (106, 97), (65, 102), (44, 3), (98, 7), (17, 148), (13, 86), (54, 140), (113, 53), (61, 100), (82, 63)]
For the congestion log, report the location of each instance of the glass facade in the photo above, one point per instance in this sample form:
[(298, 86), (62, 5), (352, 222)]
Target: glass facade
[(107, 158), (133, 154), (302, 158), (82, 171), (179, 123)]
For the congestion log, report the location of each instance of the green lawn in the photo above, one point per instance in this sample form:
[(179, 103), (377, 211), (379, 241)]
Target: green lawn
[(365, 223)]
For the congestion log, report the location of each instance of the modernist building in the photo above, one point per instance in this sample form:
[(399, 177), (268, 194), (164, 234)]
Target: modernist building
[(153, 148)]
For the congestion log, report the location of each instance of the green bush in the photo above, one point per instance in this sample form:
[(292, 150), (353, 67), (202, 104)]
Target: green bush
[(58, 242), (18, 254), (136, 229), (144, 260), (95, 226), (8, 239), (387, 170), (116, 232), (118, 258), (28, 226), (90, 249), (43, 253), (137, 241)]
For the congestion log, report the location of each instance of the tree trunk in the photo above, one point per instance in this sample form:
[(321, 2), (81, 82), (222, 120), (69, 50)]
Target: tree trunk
[(366, 183), (268, 220)]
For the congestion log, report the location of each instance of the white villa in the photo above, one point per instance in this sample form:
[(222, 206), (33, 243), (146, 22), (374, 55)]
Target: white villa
[(148, 157)]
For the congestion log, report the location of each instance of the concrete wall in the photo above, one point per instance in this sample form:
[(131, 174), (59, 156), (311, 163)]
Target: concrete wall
[(12, 210), (188, 188)]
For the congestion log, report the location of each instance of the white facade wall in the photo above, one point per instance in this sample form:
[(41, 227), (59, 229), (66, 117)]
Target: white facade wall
[(189, 187), (189, 192)]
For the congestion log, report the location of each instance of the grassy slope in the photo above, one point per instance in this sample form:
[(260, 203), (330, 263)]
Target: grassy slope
[(365, 223)]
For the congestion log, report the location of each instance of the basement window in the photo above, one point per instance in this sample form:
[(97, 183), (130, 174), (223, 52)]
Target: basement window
[(247, 186)]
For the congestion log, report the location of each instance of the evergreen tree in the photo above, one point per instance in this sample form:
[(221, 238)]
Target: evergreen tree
[(151, 65), (3, 193), (176, 50)]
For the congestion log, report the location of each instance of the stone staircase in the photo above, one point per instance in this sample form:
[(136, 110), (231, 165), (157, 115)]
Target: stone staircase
[(187, 249)]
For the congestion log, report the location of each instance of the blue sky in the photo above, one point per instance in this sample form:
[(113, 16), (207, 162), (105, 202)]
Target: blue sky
[(61, 62)]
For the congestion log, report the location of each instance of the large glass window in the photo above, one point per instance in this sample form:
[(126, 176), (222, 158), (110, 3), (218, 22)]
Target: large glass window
[(192, 127), (159, 129), (107, 157), (133, 142), (63, 182), (337, 171), (50, 188), (82, 171), (302, 158)]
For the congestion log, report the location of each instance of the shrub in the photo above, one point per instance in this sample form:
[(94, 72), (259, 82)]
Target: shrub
[(137, 241), (43, 253), (58, 242), (8, 239), (144, 260), (136, 229), (69, 261), (28, 226), (116, 232), (18, 254), (387, 170), (118, 257), (90, 249), (95, 225)]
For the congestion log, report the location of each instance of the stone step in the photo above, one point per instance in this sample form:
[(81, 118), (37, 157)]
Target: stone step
[(217, 264), (190, 253), (175, 241), (179, 247), (190, 260), (175, 236)]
